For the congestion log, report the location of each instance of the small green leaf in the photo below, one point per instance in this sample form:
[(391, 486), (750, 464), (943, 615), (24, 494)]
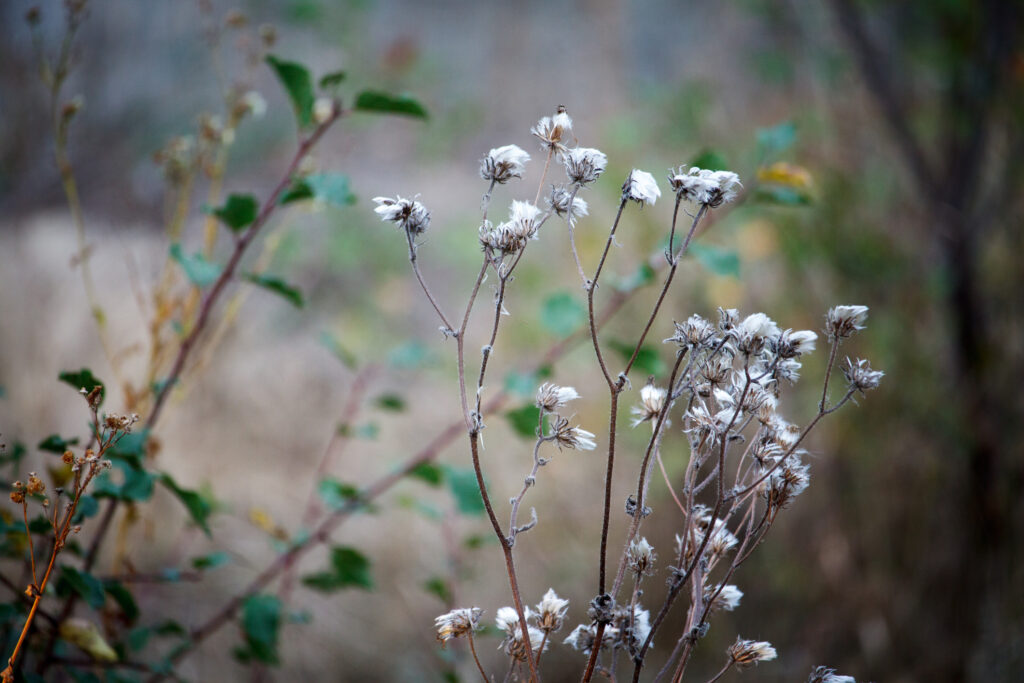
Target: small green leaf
[(336, 494), (392, 402), (84, 584), (331, 343), (772, 141), (428, 472), (211, 561), (137, 484), (464, 488), (710, 160), (239, 211), (124, 599), (261, 621), (299, 84), (199, 509), (329, 188), (83, 379), (278, 286), (421, 507), (375, 101), (349, 568), (716, 259), (439, 587), (88, 506), (54, 444), (331, 80), (562, 314), (524, 420), (198, 270), (647, 360)]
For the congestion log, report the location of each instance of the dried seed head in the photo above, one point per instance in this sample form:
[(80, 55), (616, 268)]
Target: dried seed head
[(35, 484), (843, 321), (407, 214), (504, 163), (727, 599), (551, 612), (754, 332), (551, 396), (652, 401), (559, 202), (824, 674), (860, 375), (584, 165), (641, 187), (583, 637), (746, 653), (695, 333), (68, 457), (703, 186), (573, 437), (457, 623), (641, 557), (507, 619), (787, 482), (552, 130), (792, 344)]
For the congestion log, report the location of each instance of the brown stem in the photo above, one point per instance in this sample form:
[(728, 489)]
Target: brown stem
[(479, 666)]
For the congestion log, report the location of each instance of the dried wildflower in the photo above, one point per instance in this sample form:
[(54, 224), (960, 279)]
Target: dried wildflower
[(641, 187), (823, 674), (695, 333), (754, 332), (573, 437), (552, 130), (522, 220), (551, 396), (559, 202), (843, 321), (652, 400), (792, 344), (860, 375), (787, 482), (457, 623), (583, 637), (507, 619), (35, 484), (408, 214), (641, 557), (703, 186), (504, 163), (727, 599), (746, 653), (551, 612), (68, 457), (632, 629), (17, 495), (584, 165)]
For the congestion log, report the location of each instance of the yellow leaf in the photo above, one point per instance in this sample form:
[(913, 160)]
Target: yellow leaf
[(84, 635), (786, 174)]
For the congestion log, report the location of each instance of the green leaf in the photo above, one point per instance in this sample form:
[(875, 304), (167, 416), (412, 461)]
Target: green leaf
[(524, 420), (647, 360), (198, 270), (331, 343), (299, 84), (211, 561), (716, 259), (349, 568), (562, 314), (778, 194), (331, 80), (131, 448), (138, 637), (87, 507), (84, 584), (261, 621), (421, 507), (83, 379), (329, 188), (375, 101), (710, 160), (124, 599), (428, 472), (337, 494), (278, 286), (463, 486), (772, 141), (393, 402), (199, 509), (439, 587), (137, 484), (238, 212), (54, 444)]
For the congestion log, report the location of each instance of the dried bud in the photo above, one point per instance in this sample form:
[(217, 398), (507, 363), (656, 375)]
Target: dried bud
[(584, 165), (641, 187), (68, 457), (727, 599), (843, 321), (552, 396), (35, 484), (641, 557), (559, 202), (551, 130), (573, 437), (457, 623), (861, 376), (408, 214), (551, 612), (652, 401), (504, 163), (746, 653), (695, 333)]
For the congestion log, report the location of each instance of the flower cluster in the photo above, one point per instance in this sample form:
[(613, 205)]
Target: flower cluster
[(701, 186)]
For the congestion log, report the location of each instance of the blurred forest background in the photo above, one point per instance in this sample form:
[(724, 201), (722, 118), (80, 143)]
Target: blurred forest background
[(902, 562)]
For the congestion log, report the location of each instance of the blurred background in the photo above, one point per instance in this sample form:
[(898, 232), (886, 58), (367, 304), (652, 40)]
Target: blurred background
[(902, 124)]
